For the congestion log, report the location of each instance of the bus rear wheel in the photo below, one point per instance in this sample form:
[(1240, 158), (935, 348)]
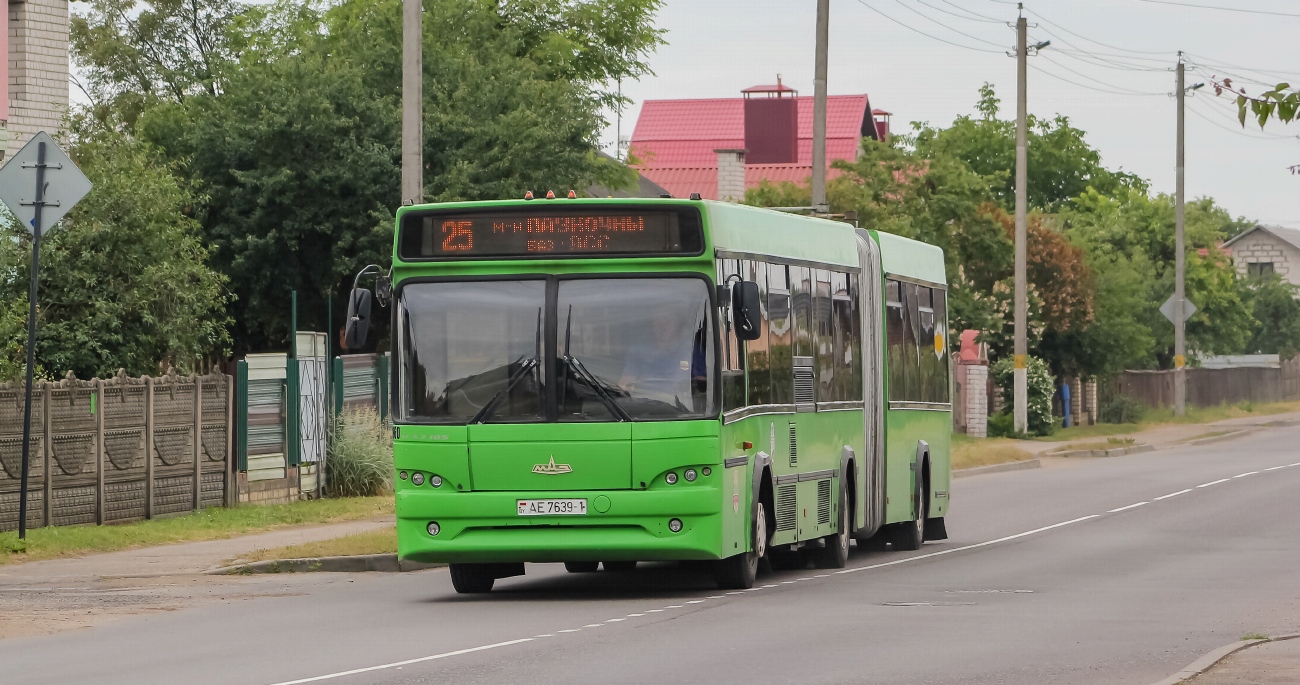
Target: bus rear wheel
[(909, 535), (581, 566), (737, 572), (472, 578)]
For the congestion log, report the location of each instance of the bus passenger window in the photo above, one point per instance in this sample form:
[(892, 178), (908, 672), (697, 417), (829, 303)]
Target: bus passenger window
[(780, 334), (756, 351), (895, 325), (928, 363), (824, 339), (844, 352), (801, 295), (943, 382), (733, 366), (911, 351)]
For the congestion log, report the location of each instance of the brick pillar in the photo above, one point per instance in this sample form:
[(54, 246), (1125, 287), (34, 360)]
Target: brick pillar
[(1091, 395), (1076, 402), (977, 408), (731, 175), (38, 69)]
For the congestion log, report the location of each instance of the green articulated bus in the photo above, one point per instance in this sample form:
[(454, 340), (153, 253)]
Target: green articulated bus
[(611, 381)]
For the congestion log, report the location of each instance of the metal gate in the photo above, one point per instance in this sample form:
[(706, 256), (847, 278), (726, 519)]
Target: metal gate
[(312, 414)]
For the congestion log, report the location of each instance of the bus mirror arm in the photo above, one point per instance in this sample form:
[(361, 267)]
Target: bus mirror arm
[(745, 310), (357, 326)]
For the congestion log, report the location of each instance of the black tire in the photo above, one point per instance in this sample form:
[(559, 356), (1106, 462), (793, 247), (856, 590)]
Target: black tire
[(909, 535), (472, 578), (620, 566), (738, 572), (835, 550), (581, 566)]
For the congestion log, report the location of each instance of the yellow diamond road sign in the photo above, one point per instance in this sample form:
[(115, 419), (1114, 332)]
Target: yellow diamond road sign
[(65, 185)]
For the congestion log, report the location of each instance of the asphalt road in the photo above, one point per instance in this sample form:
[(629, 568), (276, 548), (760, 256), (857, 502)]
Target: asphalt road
[(1051, 576)]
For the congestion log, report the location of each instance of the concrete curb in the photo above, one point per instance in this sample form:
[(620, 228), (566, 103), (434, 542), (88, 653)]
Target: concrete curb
[(1216, 438), (362, 563), (1208, 661), (1113, 452), (998, 468)]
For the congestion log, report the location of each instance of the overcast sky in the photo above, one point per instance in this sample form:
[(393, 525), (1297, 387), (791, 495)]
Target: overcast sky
[(717, 47)]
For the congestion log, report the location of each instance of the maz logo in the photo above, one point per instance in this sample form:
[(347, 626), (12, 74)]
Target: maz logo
[(551, 468)]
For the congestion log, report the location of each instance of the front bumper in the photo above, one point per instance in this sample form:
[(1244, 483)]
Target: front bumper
[(482, 527)]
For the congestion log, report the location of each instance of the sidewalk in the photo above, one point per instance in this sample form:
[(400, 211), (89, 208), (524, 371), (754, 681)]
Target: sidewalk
[(1171, 435), (178, 559), (1270, 663)]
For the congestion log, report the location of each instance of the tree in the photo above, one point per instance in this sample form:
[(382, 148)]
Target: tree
[(1281, 102), (126, 284), (1064, 165), (1276, 309)]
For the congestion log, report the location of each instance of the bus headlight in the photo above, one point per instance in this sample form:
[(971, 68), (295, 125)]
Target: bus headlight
[(435, 481), (417, 478), (675, 525), (671, 478), (690, 475), (433, 528)]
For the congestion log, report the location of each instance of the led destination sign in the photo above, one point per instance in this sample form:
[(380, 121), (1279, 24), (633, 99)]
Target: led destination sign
[(530, 233)]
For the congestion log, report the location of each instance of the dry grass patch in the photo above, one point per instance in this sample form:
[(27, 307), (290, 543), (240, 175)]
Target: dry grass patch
[(373, 542), (970, 452)]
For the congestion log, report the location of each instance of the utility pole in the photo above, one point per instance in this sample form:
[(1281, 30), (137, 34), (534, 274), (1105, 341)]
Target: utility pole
[(1180, 264), (819, 110), (412, 102), (1020, 378)]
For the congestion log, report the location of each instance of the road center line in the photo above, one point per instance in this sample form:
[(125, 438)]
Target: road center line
[(1216, 482), (1131, 506), (1276, 468), (1243, 475), (1172, 494), (397, 664)]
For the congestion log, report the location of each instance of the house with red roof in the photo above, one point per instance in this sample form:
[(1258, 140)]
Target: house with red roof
[(677, 143)]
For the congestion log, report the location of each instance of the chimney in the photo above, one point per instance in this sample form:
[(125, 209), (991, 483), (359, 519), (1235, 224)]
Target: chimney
[(772, 124), (731, 175), (880, 119)]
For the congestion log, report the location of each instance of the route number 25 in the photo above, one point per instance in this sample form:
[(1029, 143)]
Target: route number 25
[(459, 237)]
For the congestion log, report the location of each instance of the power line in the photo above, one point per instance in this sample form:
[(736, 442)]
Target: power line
[(921, 14), (1222, 9), (985, 17), (1045, 20), (960, 16), (927, 35), (1087, 87), (1090, 78), (1237, 131)]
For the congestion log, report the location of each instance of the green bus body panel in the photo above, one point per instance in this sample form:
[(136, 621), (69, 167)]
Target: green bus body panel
[(620, 468)]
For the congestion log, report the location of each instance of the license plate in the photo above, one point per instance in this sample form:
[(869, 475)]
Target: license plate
[(552, 507)]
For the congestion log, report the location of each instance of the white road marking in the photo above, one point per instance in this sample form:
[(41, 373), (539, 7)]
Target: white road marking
[(545, 635), (614, 620), (470, 650), (653, 611), (1216, 482), (634, 615), (1243, 475), (714, 597), (787, 582), (735, 592), (398, 664)]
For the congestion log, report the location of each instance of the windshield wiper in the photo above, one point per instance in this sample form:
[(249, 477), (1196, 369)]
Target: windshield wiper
[(513, 380), (597, 386)]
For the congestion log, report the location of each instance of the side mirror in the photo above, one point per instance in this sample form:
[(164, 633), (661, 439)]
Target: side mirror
[(358, 324), (745, 310)]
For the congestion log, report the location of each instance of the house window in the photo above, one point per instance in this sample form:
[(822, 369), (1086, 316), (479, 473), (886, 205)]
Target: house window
[(1257, 269)]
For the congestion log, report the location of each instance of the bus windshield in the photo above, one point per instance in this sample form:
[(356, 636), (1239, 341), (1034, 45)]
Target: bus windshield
[(639, 349)]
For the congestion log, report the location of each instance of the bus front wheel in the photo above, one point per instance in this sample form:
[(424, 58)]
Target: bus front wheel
[(909, 535), (737, 572), (472, 578), (835, 553)]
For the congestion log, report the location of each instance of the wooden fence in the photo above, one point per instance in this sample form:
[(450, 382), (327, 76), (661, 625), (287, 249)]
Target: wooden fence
[(1212, 387), (122, 449)]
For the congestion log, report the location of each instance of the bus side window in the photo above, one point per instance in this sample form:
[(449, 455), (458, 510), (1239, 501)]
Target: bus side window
[(927, 361), (733, 365), (801, 294), (780, 334), (943, 382), (824, 337), (894, 323), (911, 351), (847, 383), (757, 358)]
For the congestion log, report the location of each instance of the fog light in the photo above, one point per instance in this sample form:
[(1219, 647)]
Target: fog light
[(402, 475), (707, 471), (417, 478), (675, 525), (433, 528), (671, 478), (690, 475), (435, 481)]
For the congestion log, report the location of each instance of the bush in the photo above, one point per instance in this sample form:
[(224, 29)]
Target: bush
[(1122, 409), (1003, 425), (360, 459), (1041, 390)]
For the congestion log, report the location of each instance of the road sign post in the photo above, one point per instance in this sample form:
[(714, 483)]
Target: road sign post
[(38, 157)]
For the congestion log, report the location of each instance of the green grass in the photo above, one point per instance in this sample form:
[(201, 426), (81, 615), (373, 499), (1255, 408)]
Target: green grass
[(1107, 444), (1255, 636), (209, 524), (374, 542)]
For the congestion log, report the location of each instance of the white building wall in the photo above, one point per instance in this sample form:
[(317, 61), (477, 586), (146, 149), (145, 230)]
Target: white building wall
[(1263, 247), (38, 69)]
